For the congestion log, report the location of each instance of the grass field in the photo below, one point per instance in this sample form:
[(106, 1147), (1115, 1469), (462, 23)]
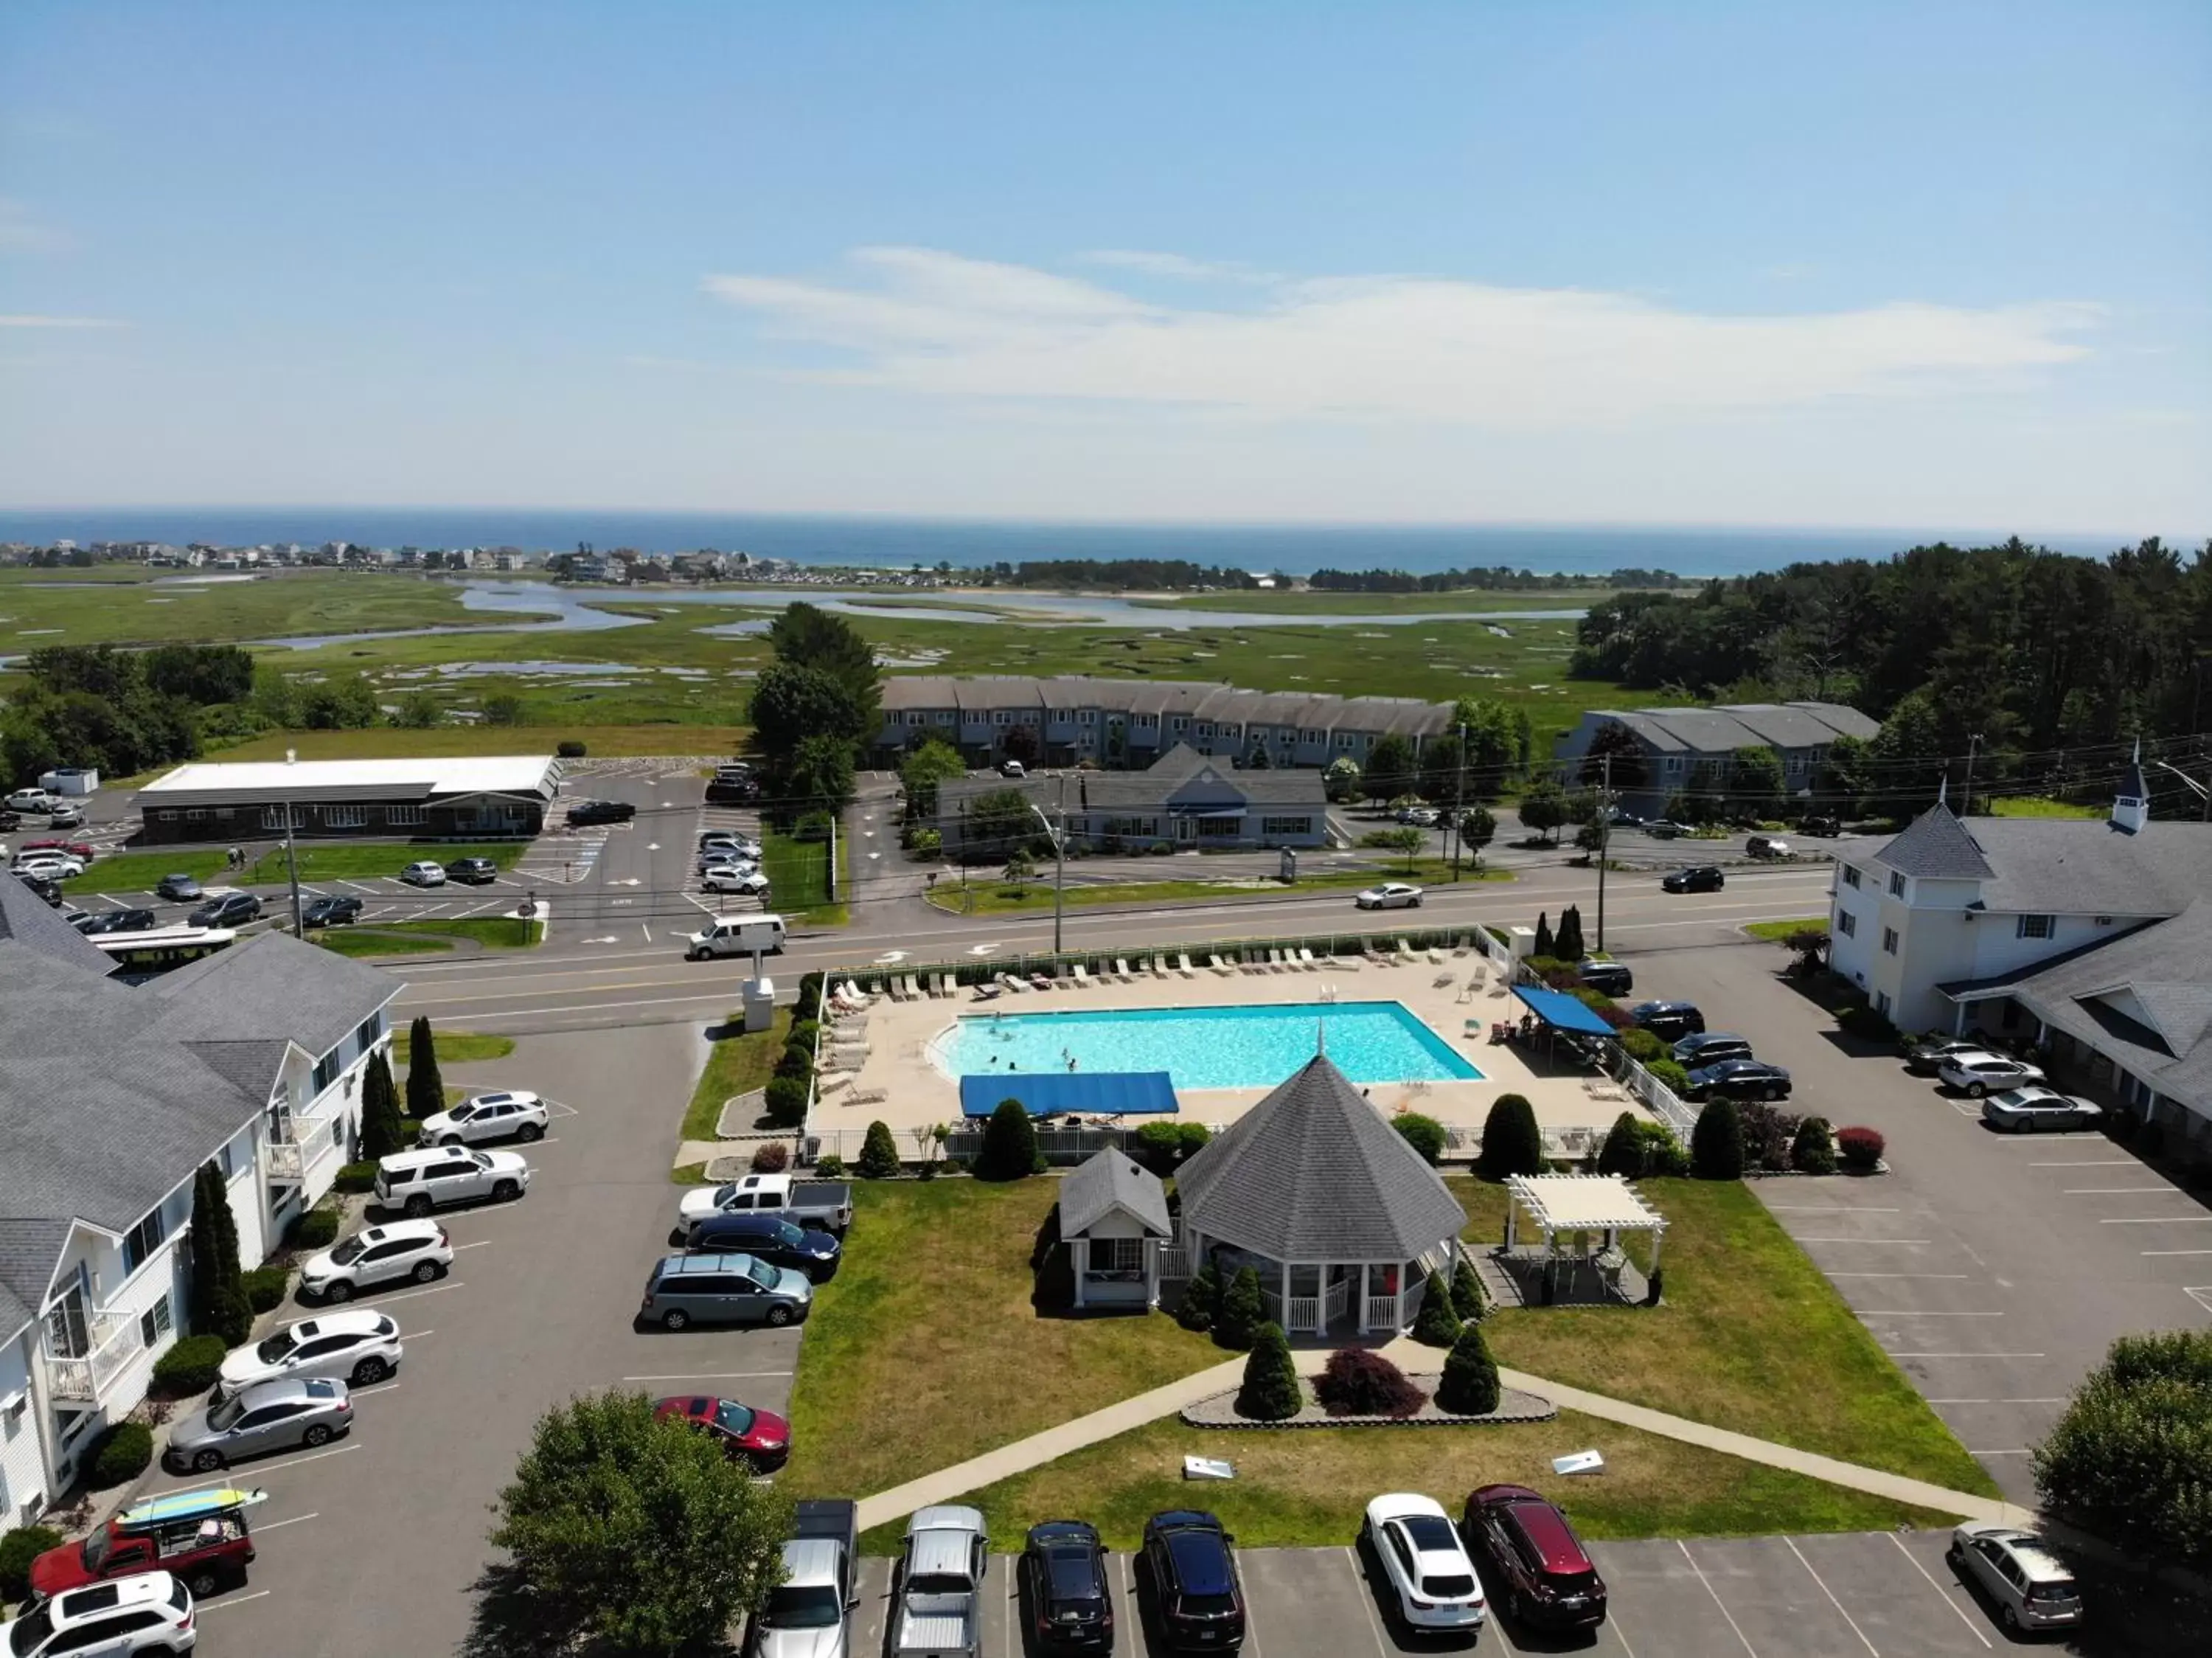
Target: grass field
[(454, 1047), (992, 896), (382, 742), (492, 932), (735, 1064), (1311, 603), (796, 872), (1775, 931), (344, 941), (363, 861), (137, 872), (2028, 806)]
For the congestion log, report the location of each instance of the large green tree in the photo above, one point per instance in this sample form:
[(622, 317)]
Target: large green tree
[(806, 636), (426, 1088), (1391, 770), (1615, 742), (793, 702), (818, 775), (924, 768), (996, 822), (1756, 787), (1544, 808), (2131, 1459)]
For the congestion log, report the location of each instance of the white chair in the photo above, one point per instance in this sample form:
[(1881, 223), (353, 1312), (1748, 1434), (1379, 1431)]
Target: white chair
[(1121, 971), (1306, 959), (1081, 978), (913, 989), (1219, 965), (1184, 966)]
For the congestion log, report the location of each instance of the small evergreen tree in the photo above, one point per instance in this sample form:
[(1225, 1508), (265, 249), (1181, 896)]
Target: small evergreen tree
[(1010, 1145), (1814, 1151), (1201, 1296), (1716, 1143), (1623, 1151), (879, 1157), (1242, 1310), (1468, 1386), (1511, 1143), (1468, 1300), (1569, 943), (1544, 942), (426, 1088), (1270, 1392), (1425, 1134), (1437, 1324), (379, 1110), (218, 1303)]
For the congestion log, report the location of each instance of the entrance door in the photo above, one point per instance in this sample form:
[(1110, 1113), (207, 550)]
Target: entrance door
[(1186, 829), (69, 1325)]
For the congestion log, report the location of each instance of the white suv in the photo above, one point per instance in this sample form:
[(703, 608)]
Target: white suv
[(416, 1182), (149, 1612), (738, 879), (487, 1116), (383, 1254), (1977, 1074), (357, 1348)]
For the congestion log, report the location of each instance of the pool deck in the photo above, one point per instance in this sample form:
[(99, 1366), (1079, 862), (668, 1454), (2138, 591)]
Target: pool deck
[(896, 1082)]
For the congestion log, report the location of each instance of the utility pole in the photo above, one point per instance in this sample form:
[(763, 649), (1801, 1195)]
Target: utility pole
[(1459, 800), (1973, 748), (292, 863), (1060, 868), (1604, 840), (830, 873)]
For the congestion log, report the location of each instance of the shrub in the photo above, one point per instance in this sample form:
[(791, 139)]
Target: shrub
[(1767, 1134), (771, 1157), (1669, 1074), (1468, 1386), (316, 1229), (1663, 1154), (1270, 1392), (829, 1167), (1863, 1020), (1009, 1151), (355, 1178), (1359, 1382), (17, 1550), (1859, 1149), (805, 1033), (1642, 1045), (568, 749), (795, 1062), (784, 1101), (1425, 1134), (2127, 1460), (1511, 1141), (1468, 1300), (926, 844), (2150, 1139), (1241, 1311), (1438, 1325), (265, 1287), (126, 1452), (382, 1131), (1159, 1146), (1200, 1296), (1623, 1151), (808, 1007), (879, 1158), (1716, 1143), (1814, 1151), (190, 1366)]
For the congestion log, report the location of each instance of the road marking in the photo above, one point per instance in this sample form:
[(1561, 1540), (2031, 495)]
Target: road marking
[(1966, 1355), (1715, 1592), (2174, 1252), (235, 1600), (1908, 1242), (478, 1244), (2098, 1162), (271, 1467), (1898, 1275), (1907, 1313), (715, 1375), (273, 1524), (2160, 1219), (1939, 1589), (1366, 1603), (1833, 1601), (359, 888), (2019, 1451), (2117, 1191), (409, 1294), (2203, 1297)]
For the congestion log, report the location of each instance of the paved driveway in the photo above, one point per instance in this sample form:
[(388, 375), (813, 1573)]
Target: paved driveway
[(1997, 1268)]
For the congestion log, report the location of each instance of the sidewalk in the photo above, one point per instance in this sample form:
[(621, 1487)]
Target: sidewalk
[(948, 1484)]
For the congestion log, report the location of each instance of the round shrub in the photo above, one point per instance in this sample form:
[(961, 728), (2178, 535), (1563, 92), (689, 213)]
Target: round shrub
[(1270, 1391), (1436, 1325), (1360, 1383), (316, 1229), (1009, 1151), (1859, 1149), (1669, 1074), (829, 1167), (1468, 1386), (265, 1287), (1642, 1045), (785, 1099), (804, 1033), (879, 1157), (1159, 1146), (1511, 1141), (1200, 1296), (1768, 1135), (1716, 1143), (797, 1062), (568, 749), (808, 1006), (190, 1366), (1662, 1153), (1425, 1134), (126, 1452), (356, 1178), (1814, 1151), (1623, 1151), (1241, 1311), (17, 1550), (771, 1157)]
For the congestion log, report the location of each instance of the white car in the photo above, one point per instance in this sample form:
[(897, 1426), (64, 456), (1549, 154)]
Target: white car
[(147, 1611), (357, 1348), (2022, 1111), (424, 873), (1421, 1554), (752, 882), (416, 1182), (33, 800), (397, 1250), (513, 1112), (2032, 1587), (40, 867), (1390, 895), (1977, 1074)]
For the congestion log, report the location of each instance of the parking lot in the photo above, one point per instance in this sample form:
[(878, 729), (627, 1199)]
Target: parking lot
[(1995, 1268)]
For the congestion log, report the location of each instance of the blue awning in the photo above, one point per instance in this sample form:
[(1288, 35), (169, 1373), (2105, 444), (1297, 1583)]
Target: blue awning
[(1049, 1094), (1566, 1012)]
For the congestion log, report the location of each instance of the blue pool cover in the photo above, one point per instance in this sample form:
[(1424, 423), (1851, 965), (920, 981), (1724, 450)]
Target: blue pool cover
[(1098, 1093), (1557, 1008)]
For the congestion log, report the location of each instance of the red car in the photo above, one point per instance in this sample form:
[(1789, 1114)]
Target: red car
[(201, 1537), (1539, 1570), (757, 1436), (76, 848)]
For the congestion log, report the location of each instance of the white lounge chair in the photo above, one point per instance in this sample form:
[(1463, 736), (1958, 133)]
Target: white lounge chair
[(855, 995), (1277, 962), (1462, 943), (1081, 978), (1008, 981), (1121, 971), (1144, 968), (1406, 951), (913, 991), (1218, 965), (1184, 966), (1437, 956)]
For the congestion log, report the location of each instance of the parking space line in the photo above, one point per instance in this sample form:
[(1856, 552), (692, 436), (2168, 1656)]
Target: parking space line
[(374, 1388), (2100, 1162), (1366, 1602), (1715, 1592), (1828, 1209), (271, 1467), (1791, 1544), (1968, 1356), (1940, 1590), (2159, 1220), (2117, 1191), (478, 1244), (233, 1600), (274, 1525), (2174, 1252), (358, 887), (714, 1375), (409, 1294)]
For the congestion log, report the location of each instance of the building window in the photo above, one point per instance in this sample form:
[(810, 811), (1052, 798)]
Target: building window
[(1851, 875), (1117, 1257), (144, 1239), (1220, 828), (1889, 941), (1088, 716), (1286, 826), (1001, 717), (2032, 927), (1675, 764), (326, 1071), (1896, 885), (365, 1033), (1129, 826), (404, 816), (914, 717), (345, 817), (272, 817), (196, 815), (155, 1323), (1847, 924), (1312, 736), (1180, 725)]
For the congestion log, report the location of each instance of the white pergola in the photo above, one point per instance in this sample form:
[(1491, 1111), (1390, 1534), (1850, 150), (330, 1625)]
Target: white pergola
[(1581, 1202)]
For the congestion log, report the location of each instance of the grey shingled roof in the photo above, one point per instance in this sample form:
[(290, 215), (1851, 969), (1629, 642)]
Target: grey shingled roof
[(272, 983), (29, 1252), (1183, 765), (1313, 1173), (1937, 846), (25, 919), (1108, 1180), (2090, 867)]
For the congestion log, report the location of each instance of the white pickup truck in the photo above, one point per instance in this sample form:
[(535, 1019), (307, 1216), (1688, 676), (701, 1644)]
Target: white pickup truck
[(809, 1614), (823, 1205), (940, 1584)]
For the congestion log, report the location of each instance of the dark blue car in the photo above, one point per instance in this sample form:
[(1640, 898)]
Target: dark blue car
[(1740, 1079), (770, 1238), (1195, 1582)]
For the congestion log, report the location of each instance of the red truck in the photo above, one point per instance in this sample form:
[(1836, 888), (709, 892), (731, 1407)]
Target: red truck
[(201, 1537)]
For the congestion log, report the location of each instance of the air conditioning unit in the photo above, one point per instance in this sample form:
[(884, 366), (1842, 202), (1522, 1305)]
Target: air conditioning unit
[(2104, 921)]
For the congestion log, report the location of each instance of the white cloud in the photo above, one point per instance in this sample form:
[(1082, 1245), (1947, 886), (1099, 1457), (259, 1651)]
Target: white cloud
[(21, 234), (1180, 267), (1384, 347), (22, 321)]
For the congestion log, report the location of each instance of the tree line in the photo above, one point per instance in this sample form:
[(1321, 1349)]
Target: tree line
[(814, 708), (1498, 578)]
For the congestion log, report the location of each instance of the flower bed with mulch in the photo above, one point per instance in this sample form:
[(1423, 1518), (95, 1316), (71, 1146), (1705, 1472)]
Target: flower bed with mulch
[(1220, 1411)]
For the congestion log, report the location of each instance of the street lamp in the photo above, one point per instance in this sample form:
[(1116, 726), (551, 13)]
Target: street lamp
[(1059, 836)]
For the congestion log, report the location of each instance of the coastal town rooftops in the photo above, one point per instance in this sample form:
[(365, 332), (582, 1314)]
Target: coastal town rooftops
[(430, 777), (1742, 725), (2059, 866)]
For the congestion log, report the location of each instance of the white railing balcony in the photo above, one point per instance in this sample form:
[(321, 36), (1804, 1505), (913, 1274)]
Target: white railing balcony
[(1305, 1313), (312, 1139), (1175, 1261), (112, 1342), (1338, 1297), (1382, 1313)]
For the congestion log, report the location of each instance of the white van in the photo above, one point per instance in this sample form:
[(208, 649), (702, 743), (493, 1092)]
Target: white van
[(737, 935)]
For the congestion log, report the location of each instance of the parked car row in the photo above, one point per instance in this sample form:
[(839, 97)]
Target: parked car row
[(468, 871), (2016, 1097)]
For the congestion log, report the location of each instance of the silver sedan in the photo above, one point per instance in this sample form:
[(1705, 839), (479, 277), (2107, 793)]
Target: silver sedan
[(2022, 1111), (274, 1417)]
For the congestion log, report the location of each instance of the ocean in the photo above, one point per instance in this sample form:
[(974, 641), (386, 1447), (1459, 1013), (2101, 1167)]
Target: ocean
[(898, 542)]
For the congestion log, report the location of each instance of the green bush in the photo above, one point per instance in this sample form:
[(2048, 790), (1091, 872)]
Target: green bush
[(1241, 1311), (1663, 1154), (926, 844), (1437, 1324), (1201, 1296), (126, 1450), (316, 1229), (1642, 1045), (1864, 1021), (1623, 1151), (1468, 1300), (1009, 1151), (1814, 1151), (1270, 1392), (1425, 1134), (829, 1167), (784, 1101), (18, 1549), (2129, 1460), (1468, 1386), (190, 1366), (1716, 1143), (809, 1006), (1161, 1146), (805, 1033), (1668, 1074), (771, 1157), (265, 1287), (796, 1062), (568, 749), (1511, 1141), (356, 1178), (879, 1157)]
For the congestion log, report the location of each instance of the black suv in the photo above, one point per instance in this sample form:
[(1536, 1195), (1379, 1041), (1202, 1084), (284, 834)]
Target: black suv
[(770, 1238), (231, 910), (1611, 976), (601, 811), (1063, 1573), (117, 921), (1668, 1021), (330, 911), (1710, 1048), (1194, 1582), (1705, 878), (1826, 827), (472, 872)]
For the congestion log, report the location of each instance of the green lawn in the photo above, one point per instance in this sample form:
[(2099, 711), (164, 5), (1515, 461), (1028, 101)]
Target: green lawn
[(137, 872), (492, 932), (2030, 806), (797, 873), (454, 1047), (1750, 1337), (362, 860), (604, 741), (1775, 931), (1307, 1488), (985, 893), (735, 1064), (344, 941)]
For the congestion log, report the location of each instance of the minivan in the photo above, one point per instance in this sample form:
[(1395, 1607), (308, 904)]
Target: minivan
[(686, 1290)]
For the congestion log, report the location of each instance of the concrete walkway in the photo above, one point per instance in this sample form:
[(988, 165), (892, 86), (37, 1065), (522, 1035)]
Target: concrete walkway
[(949, 1484)]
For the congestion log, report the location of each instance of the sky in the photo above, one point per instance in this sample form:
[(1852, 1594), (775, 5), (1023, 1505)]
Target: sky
[(1581, 263)]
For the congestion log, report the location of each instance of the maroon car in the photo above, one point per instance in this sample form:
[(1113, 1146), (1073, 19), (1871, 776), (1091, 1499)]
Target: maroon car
[(1540, 1572), (756, 1437), (76, 848)]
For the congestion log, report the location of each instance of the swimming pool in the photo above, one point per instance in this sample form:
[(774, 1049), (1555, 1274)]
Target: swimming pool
[(1207, 1047)]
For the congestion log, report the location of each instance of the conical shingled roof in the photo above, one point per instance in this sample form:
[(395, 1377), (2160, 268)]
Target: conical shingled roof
[(1313, 1173), (1937, 846)]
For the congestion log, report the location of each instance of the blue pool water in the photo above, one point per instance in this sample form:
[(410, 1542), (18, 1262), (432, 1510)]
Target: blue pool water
[(1207, 1047)]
